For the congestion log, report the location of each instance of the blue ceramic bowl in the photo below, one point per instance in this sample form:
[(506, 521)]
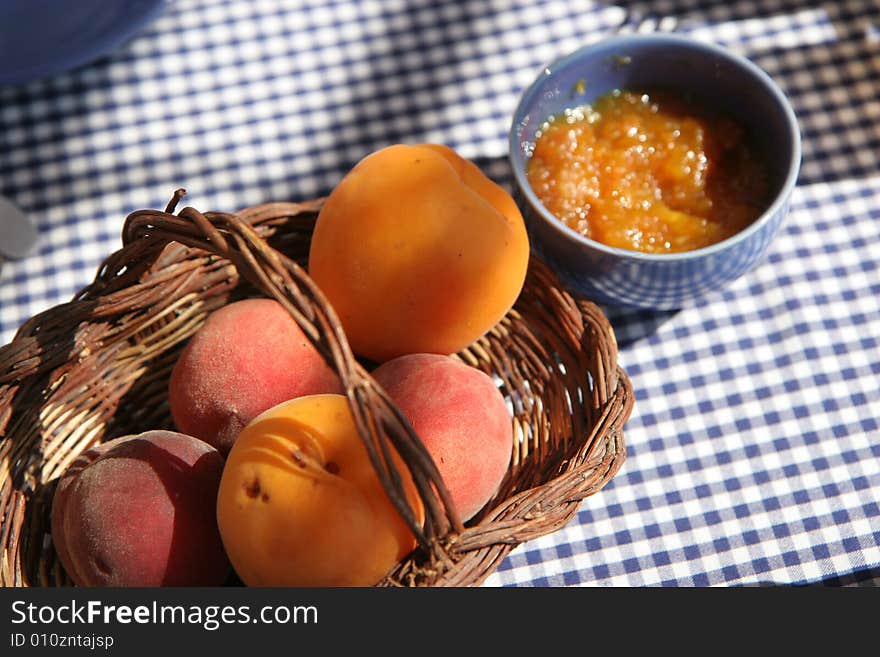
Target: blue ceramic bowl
[(41, 38), (711, 76)]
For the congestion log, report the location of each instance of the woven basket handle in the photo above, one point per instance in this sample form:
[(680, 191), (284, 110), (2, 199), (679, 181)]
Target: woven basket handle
[(379, 422)]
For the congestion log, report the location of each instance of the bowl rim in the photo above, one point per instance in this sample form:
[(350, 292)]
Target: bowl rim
[(661, 39)]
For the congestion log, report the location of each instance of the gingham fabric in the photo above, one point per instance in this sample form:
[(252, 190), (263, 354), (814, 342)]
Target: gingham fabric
[(754, 446)]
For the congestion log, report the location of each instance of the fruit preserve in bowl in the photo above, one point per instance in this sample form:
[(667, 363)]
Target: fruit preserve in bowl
[(653, 170)]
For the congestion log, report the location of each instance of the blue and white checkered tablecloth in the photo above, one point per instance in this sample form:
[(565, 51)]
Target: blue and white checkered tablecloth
[(754, 447)]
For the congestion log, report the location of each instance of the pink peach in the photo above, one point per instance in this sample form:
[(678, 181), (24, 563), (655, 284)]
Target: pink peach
[(461, 418), (247, 357), (139, 511)]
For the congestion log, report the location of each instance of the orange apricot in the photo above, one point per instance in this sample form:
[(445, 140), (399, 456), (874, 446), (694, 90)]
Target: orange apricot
[(418, 252), (301, 505)]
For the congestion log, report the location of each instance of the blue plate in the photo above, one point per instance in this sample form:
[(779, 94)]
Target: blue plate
[(40, 38)]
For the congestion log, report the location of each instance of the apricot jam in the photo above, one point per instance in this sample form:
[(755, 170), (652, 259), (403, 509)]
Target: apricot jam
[(648, 172)]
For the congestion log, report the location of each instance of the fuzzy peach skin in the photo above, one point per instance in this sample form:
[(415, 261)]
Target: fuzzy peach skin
[(139, 511), (246, 358), (301, 505), (461, 418), (418, 251)]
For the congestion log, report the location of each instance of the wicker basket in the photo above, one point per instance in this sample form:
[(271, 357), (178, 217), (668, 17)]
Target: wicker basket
[(97, 368)]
